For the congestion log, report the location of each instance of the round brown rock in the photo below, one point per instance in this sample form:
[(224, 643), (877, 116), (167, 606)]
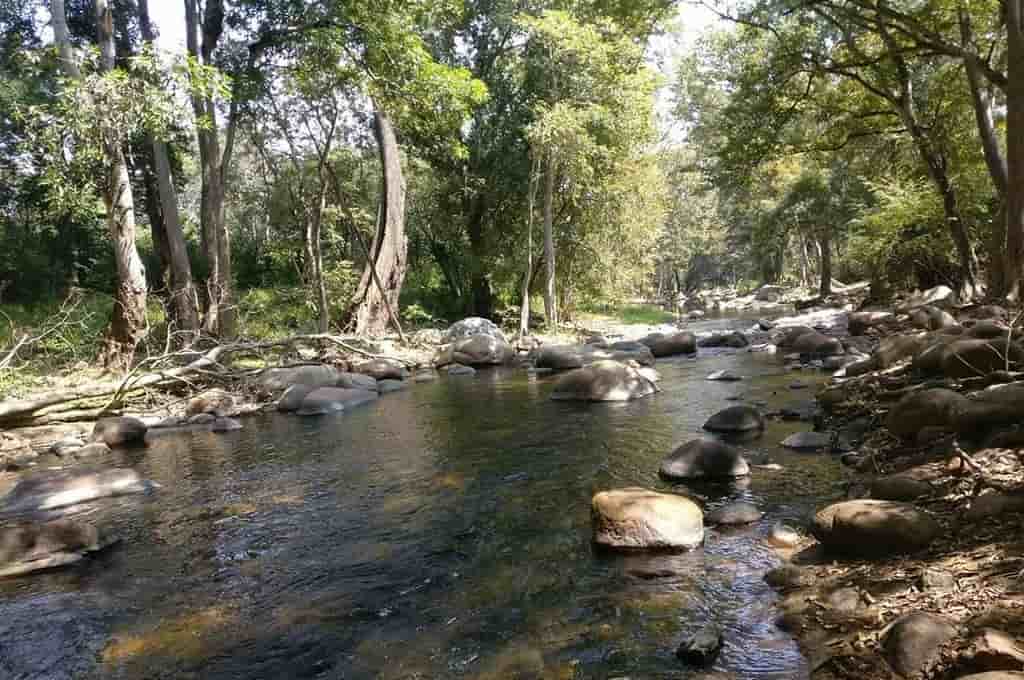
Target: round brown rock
[(603, 381), (925, 408), (121, 431), (867, 528), (913, 643), (640, 519)]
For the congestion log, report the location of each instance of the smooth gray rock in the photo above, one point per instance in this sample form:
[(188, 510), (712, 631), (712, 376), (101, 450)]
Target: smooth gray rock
[(51, 489), (324, 400), (641, 519), (913, 644), (704, 459), (120, 431), (603, 381), (868, 528), (808, 441), (741, 418)]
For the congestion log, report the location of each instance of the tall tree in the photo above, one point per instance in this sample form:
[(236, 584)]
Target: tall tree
[(1015, 148)]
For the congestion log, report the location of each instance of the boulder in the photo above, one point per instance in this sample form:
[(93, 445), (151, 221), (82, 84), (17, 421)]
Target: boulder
[(292, 398), (216, 401), (703, 647), (741, 418), (459, 369), (734, 513), (769, 293), (766, 324), (61, 447), (786, 577), (387, 386), (989, 312), (895, 349), (704, 459), (15, 451), (119, 431), (992, 650), (324, 400), (382, 369), (783, 536), (931, 318), (913, 644), (899, 488), (735, 340), (641, 519), (996, 406), (51, 489), (481, 350), (603, 381), (279, 379), (28, 548), (560, 357), (994, 504), (201, 419), (355, 381), (971, 358), (670, 345), (936, 407), (816, 344), (858, 323), (987, 330), (808, 441), (867, 528), (791, 334), (473, 325), (942, 297), (223, 424)]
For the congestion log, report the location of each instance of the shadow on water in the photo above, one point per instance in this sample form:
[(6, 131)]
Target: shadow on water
[(443, 531)]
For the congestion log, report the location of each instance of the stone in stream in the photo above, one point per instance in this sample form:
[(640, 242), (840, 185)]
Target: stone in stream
[(735, 340), (388, 386), (425, 376), (808, 441), (277, 379), (225, 425), (783, 536), (640, 519), (119, 431), (15, 451), (913, 644), (662, 345), (51, 489), (382, 369), (724, 376), (816, 344), (740, 418), (701, 648), (475, 350), (32, 547), (459, 369), (354, 381), (324, 400), (216, 401), (292, 398), (65, 446), (704, 459), (471, 326), (738, 512), (94, 449), (868, 528), (201, 419), (603, 381)]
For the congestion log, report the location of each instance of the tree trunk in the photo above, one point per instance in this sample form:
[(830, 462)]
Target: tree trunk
[(1015, 148), (128, 320), (315, 258), (482, 302), (550, 300), (377, 300), (531, 197), (216, 240), (184, 301), (161, 249), (825, 241)]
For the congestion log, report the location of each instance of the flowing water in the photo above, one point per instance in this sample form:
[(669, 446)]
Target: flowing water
[(441, 532)]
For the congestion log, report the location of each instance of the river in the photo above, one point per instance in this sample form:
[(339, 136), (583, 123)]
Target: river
[(443, 531)]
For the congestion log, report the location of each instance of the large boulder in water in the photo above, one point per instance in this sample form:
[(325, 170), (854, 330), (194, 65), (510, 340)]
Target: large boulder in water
[(279, 379), (382, 369), (324, 400), (473, 325), (704, 459), (481, 350), (51, 489), (31, 547), (735, 340), (121, 431), (568, 357), (670, 345), (355, 381), (868, 528), (560, 357), (817, 344), (603, 381), (291, 400), (641, 519), (938, 408), (736, 419)]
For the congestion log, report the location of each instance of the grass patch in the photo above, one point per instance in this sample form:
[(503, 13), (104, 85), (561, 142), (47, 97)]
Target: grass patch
[(650, 315)]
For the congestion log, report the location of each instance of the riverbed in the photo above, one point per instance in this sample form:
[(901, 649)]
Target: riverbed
[(442, 531)]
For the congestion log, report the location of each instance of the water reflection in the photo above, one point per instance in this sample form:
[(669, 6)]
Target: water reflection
[(442, 531)]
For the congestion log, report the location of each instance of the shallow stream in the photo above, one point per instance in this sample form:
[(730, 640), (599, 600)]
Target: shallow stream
[(441, 532)]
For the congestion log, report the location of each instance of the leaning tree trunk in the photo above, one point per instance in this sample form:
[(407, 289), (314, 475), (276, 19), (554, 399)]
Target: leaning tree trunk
[(550, 299), (216, 240), (1015, 148), (128, 320), (375, 302), (184, 302)]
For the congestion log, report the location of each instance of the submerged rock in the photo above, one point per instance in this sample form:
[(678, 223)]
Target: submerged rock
[(735, 340), (701, 648), (324, 400), (641, 519), (874, 528), (388, 386), (808, 441), (669, 345), (29, 548), (292, 398), (704, 459), (724, 376), (355, 381), (459, 369), (121, 431), (603, 381), (741, 418), (783, 536), (734, 513), (51, 489)]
